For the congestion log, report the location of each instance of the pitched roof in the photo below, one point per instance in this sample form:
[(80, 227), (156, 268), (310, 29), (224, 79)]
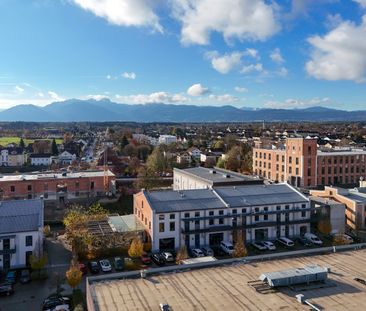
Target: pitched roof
[(21, 215)]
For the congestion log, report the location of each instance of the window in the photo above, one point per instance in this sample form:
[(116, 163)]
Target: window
[(278, 207), (244, 210), (303, 214), (303, 205), (256, 218), (287, 206), (29, 187), (211, 213), (142, 204), (256, 209), (265, 217), (186, 215), (265, 208), (234, 211), (172, 216), (77, 185), (197, 214), (145, 221), (221, 212), (92, 185), (290, 159), (29, 240), (12, 188), (211, 222), (149, 224), (297, 161), (277, 157), (161, 217), (161, 227), (221, 221), (309, 150), (172, 226)]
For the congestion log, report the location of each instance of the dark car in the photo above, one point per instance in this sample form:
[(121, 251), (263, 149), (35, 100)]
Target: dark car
[(119, 263), (145, 258), (158, 259), (303, 241), (11, 277), (93, 267), (25, 276), (6, 289), (53, 301)]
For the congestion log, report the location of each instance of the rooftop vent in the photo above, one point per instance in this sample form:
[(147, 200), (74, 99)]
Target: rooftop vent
[(226, 175), (212, 172)]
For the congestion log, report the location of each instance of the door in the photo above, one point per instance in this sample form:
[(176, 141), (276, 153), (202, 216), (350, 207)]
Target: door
[(6, 264), (261, 234), (197, 240), (215, 239), (28, 254)]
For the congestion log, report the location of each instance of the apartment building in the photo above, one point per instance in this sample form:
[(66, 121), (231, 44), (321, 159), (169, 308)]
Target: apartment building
[(203, 178), (301, 164), (21, 232), (58, 186), (14, 156), (200, 217)]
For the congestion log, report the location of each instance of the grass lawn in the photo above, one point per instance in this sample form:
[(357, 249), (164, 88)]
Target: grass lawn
[(12, 139)]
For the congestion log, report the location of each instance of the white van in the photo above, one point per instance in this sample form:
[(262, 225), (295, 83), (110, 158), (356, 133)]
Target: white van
[(285, 241), (313, 238), (227, 247)]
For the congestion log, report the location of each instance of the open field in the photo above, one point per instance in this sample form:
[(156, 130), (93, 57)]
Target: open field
[(12, 139)]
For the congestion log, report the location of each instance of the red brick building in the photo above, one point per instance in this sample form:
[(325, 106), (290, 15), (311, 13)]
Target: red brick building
[(301, 164), (56, 186)]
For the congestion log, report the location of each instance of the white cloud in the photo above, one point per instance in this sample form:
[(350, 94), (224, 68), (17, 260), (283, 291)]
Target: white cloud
[(197, 90), (226, 98), (129, 75), (276, 56), (362, 3), (157, 97), (225, 63), (340, 54), (97, 97), (40, 94), (241, 19), (240, 89), (252, 68), (298, 103), (124, 12), (283, 72), (55, 96), (18, 89)]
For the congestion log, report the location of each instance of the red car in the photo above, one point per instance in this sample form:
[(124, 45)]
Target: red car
[(82, 268), (145, 258)]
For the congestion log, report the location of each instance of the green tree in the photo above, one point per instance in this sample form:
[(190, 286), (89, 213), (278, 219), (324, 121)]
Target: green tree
[(124, 142), (136, 248), (21, 143), (54, 148)]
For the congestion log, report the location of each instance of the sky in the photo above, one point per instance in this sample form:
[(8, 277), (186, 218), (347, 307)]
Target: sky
[(244, 53)]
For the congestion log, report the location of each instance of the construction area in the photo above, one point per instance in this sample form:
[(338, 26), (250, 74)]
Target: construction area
[(228, 287)]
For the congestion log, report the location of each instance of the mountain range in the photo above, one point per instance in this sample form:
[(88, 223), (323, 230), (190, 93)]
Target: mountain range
[(76, 110)]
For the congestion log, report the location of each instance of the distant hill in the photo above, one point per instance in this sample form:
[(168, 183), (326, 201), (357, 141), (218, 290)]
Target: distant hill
[(105, 110)]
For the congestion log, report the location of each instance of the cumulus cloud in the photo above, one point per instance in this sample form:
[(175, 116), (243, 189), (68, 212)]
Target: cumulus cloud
[(226, 98), (97, 96), (362, 3), (240, 89), (156, 97), (197, 90), (40, 94), (124, 12), (298, 103), (252, 68), (234, 19), (276, 56), (340, 54), (55, 96), (129, 75)]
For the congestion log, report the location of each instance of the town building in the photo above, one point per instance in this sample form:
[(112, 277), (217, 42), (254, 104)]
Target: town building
[(199, 217), (203, 178), (184, 158), (13, 156), (167, 139), (57, 186), (194, 153), (302, 164), (44, 159), (66, 158), (21, 232), (355, 201)]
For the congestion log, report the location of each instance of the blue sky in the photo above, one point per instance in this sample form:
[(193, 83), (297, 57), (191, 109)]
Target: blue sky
[(245, 53)]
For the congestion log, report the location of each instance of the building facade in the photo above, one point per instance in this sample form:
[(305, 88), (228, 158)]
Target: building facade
[(301, 164), (13, 157), (21, 232), (208, 216), (58, 186), (41, 159)]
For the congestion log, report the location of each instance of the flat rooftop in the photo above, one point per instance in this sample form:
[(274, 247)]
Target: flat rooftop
[(52, 175), (226, 288), (341, 152), (217, 176)]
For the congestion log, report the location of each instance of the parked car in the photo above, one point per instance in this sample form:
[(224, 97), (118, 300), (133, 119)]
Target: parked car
[(345, 237), (82, 268), (196, 252), (313, 238), (6, 289), (303, 241), (53, 301), (167, 256), (11, 277), (259, 245), (207, 251), (164, 307), (145, 258), (119, 263), (158, 259), (105, 265), (269, 245), (93, 267), (285, 242), (25, 276), (227, 247)]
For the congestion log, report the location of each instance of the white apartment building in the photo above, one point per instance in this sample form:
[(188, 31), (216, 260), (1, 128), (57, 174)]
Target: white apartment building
[(41, 159), (167, 139), (208, 216), (21, 232)]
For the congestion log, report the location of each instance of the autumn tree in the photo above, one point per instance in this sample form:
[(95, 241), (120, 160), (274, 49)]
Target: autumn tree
[(324, 226), (181, 255), (74, 275), (339, 239), (136, 248), (239, 248)]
